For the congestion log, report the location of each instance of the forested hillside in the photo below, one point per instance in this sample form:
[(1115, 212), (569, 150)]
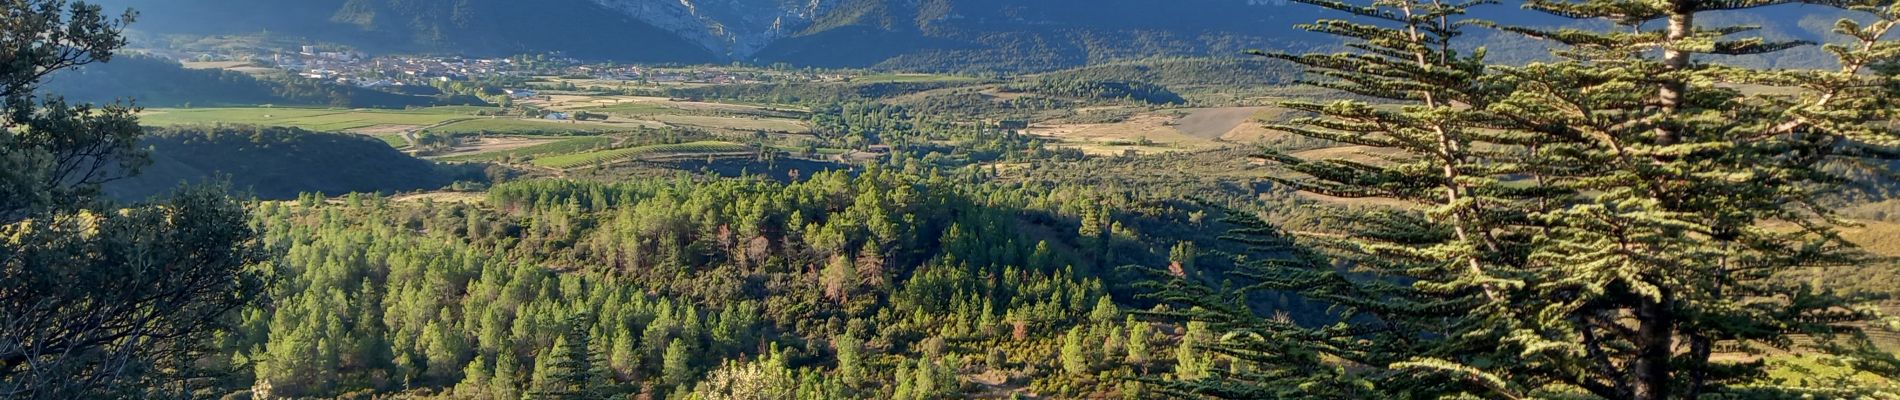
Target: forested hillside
[(280, 163)]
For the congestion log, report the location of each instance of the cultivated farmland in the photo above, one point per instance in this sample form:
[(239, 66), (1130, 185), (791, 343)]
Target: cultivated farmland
[(565, 146), (642, 152)]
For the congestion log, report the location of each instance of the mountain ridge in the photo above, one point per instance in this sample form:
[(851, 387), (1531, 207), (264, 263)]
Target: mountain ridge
[(926, 35)]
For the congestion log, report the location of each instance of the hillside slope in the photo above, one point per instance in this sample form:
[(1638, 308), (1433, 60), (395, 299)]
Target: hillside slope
[(154, 82), (279, 163)]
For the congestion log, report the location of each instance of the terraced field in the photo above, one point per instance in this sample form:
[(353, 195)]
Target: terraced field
[(568, 161)]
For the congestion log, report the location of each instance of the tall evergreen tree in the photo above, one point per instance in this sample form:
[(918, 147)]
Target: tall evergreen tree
[(571, 367), (1591, 225)]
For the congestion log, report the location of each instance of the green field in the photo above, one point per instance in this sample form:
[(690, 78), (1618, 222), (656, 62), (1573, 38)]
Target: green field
[(514, 126), (574, 145), (394, 140), (317, 119), (584, 159), (821, 150)]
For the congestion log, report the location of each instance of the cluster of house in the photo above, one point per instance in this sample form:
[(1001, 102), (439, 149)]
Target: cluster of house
[(355, 68)]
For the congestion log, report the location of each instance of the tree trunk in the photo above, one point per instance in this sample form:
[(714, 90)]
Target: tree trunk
[(1681, 22), (1655, 338)]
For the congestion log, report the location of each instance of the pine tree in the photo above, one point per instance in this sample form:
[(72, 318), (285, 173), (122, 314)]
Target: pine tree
[(570, 368), (850, 359), (1138, 341), (1075, 358), (676, 366), (623, 356), (1591, 225), (507, 380), (1105, 312), (904, 389)]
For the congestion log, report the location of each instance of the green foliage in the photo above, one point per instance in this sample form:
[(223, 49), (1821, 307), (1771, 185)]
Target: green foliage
[(1075, 357), (686, 283), (99, 300), (1126, 91), (1591, 226)]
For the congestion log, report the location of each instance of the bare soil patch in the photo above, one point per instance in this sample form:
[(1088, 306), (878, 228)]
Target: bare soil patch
[(1211, 123), (495, 143), (442, 197)]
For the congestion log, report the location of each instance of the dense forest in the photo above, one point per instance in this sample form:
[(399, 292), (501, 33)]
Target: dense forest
[(881, 285)]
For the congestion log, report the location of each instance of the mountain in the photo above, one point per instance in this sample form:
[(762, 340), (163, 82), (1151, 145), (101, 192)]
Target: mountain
[(930, 35), (580, 28), (1043, 34), (916, 34)]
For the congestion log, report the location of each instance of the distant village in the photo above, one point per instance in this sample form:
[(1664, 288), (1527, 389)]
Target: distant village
[(355, 68)]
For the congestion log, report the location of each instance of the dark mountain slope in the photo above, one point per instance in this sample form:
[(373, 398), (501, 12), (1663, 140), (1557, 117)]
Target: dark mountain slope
[(579, 28), (154, 82), (279, 163), (1035, 35)]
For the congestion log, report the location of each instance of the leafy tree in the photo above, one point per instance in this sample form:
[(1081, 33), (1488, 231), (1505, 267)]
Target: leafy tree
[(766, 379), (57, 155), (98, 301), (1592, 225), (839, 277)]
